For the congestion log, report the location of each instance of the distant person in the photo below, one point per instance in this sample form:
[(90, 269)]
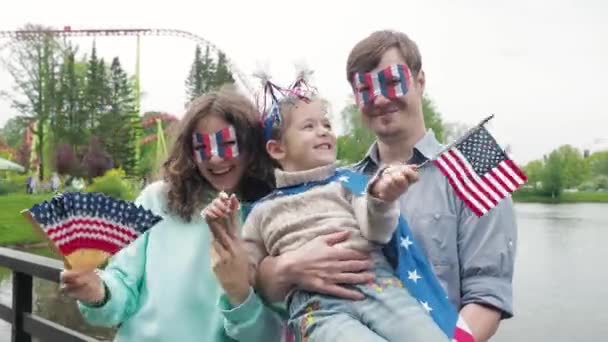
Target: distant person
[(55, 182)]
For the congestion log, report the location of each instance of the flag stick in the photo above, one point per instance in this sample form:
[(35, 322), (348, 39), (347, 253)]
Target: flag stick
[(459, 140)]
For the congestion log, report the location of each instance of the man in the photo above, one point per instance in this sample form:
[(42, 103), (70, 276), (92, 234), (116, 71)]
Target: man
[(472, 257)]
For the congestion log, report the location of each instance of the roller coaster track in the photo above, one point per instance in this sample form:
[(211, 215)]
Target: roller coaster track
[(69, 32)]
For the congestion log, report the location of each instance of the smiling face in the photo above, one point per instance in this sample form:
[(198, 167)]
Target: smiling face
[(307, 140), (221, 171)]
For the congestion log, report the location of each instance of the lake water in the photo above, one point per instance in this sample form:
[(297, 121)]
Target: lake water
[(560, 289)]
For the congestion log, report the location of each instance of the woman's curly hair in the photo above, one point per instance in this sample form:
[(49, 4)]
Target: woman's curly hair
[(188, 191)]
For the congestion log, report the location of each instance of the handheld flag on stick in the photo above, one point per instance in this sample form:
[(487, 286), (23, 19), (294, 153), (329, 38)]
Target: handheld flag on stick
[(479, 170)]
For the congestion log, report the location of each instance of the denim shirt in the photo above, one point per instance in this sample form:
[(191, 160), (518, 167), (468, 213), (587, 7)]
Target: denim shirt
[(473, 257)]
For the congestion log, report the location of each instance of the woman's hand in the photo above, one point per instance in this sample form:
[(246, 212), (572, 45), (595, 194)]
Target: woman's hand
[(230, 263), (85, 286), (317, 266)]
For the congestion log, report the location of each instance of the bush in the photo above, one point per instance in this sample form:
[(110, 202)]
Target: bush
[(96, 160), (7, 187), (113, 184), (12, 183), (65, 160), (599, 183)]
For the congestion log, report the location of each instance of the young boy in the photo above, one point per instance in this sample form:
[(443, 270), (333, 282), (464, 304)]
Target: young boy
[(303, 145)]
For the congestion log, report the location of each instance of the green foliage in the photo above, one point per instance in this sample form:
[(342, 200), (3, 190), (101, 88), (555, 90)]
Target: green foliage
[(552, 176), (71, 100), (357, 139), (534, 171), (7, 187), (122, 120), (598, 163), (207, 74), (13, 183), (13, 132), (33, 64), (432, 118), (598, 183), (565, 168), (114, 184), (6, 155), (353, 145), (524, 195)]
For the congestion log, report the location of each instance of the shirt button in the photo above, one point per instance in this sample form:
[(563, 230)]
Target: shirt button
[(436, 217)]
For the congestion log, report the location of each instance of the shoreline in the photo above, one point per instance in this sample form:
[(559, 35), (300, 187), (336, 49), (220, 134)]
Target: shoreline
[(566, 197)]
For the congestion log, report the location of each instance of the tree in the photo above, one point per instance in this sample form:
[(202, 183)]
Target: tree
[(564, 168), (553, 177), (122, 120), (194, 82), (32, 65), (65, 160), (71, 123), (96, 160), (598, 163), (534, 172), (574, 168), (222, 74), (95, 92), (202, 77), (206, 74), (358, 138), (432, 118), (13, 132), (23, 156)]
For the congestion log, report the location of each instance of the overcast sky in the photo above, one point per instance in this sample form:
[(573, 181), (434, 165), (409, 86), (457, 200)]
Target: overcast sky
[(539, 65)]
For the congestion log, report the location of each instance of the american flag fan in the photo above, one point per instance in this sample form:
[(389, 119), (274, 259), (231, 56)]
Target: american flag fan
[(87, 228), (479, 170)]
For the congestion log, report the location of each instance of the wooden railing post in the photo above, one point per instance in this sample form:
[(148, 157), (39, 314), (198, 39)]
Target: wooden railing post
[(22, 303)]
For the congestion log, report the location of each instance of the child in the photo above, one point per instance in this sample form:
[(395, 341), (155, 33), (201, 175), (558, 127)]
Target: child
[(303, 145), (161, 288)]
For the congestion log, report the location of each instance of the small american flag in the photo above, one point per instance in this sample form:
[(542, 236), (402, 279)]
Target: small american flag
[(480, 172)]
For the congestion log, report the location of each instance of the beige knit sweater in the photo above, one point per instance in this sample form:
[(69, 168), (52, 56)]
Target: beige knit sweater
[(282, 224)]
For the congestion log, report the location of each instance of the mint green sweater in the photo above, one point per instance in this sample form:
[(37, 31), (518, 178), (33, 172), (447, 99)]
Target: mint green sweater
[(162, 288)]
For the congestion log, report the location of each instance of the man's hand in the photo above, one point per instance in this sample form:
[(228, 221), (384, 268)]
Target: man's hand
[(317, 266), (393, 182)]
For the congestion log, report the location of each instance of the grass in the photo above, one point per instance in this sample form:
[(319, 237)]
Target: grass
[(14, 228), (566, 197)]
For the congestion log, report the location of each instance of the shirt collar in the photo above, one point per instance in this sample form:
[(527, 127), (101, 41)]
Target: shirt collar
[(426, 148)]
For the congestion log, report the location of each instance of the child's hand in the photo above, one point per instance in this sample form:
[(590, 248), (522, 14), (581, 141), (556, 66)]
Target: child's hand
[(85, 286), (222, 210), (393, 182)]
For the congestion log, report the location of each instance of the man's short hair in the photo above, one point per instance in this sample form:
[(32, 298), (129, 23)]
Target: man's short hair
[(366, 55)]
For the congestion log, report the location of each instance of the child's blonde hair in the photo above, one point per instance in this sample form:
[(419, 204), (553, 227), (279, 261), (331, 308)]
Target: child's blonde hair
[(286, 107)]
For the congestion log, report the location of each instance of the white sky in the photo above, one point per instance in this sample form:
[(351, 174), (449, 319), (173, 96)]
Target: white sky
[(539, 65)]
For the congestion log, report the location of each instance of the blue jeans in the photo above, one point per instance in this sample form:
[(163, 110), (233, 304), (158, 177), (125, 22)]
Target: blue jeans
[(388, 313)]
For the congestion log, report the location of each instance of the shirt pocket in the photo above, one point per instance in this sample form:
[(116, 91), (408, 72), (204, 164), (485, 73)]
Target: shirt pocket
[(437, 232)]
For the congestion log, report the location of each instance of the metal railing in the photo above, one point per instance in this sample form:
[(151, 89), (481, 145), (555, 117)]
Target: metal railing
[(25, 324)]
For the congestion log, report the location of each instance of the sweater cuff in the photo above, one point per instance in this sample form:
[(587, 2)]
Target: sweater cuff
[(107, 295), (242, 313)]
